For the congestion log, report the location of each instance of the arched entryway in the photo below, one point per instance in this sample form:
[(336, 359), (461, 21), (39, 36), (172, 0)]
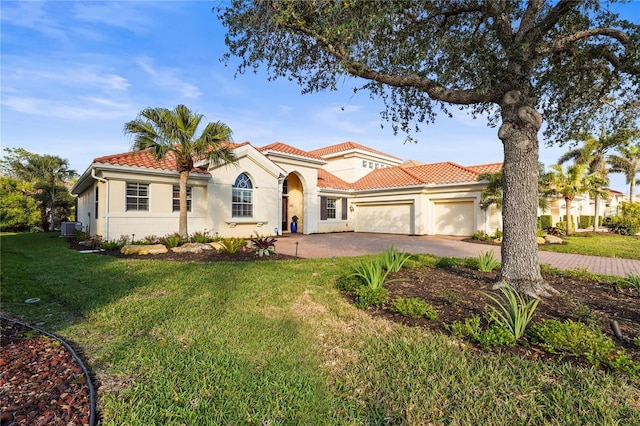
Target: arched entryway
[(292, 202)]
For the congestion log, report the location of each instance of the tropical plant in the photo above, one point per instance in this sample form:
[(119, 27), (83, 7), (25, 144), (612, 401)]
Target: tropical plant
[(573, 183), (232, 244), (372, 273), (201, 237), (392, 259), (593, 154), (487, 261), (633, 280), (262, 245), (18, 211), (172, 240), (171, 135), (627, 161), (512, 62), (513, 311), (47, 176)]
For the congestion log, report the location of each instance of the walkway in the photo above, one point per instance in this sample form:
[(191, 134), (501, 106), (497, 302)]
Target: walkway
[(356, 244)]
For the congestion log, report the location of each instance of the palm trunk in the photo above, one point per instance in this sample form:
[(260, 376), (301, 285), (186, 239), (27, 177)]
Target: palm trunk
[(596, 213), (567, 202), (182, 224), (632, 190), (520, 124)]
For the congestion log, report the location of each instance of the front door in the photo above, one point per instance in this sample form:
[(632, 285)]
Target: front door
[(285, 213)]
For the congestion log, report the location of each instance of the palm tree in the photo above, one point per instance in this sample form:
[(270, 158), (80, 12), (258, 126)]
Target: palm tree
[(47, 175), (627, 162), (575, 182), (164, 131), (592, 154)]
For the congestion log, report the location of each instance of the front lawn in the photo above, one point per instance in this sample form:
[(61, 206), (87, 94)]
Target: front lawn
[(274, 343), (597, 244)]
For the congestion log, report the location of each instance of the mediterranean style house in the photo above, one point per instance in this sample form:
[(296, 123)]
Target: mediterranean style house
[(344, 187)]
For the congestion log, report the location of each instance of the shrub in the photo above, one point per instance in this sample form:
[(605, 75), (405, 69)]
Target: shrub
[(115, 245), (447, 262), (469, 328), (481, 235), (367, 296), (636, 341), (232, 244), (497, 234), (495, 335), (171, 240), (349, 283), (201, 237), (80, 236), (393, 260), (544, 221), (262, 245), (513, 312), (487, 261), (574, 338), (149, 239), (633, 280), (414, 307)]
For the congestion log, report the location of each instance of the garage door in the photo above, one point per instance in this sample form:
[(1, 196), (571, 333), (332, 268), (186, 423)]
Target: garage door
[(454, 218), (385, 218)]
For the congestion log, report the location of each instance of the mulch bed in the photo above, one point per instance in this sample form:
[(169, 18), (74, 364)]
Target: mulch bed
[(458, 293), (41, 383)]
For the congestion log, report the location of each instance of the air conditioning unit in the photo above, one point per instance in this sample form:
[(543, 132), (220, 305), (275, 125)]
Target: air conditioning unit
[(67, 228)]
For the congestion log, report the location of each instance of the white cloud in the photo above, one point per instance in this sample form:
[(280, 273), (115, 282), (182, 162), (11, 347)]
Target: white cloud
[(32, 15), (74, 109), (168, 78)]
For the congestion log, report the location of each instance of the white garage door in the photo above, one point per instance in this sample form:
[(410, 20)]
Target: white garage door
[(454, 218), (390, 219)]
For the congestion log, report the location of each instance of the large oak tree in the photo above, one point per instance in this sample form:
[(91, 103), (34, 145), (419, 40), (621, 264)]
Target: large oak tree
[(515, 62)]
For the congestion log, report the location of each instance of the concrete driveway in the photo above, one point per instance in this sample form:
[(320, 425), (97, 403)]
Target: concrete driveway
[(355, 244)]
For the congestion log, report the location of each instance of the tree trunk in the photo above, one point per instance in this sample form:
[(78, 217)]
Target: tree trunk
[(44, 219), (632, 190), (596, 213), (518, 133), (182, 224), (567, 204)]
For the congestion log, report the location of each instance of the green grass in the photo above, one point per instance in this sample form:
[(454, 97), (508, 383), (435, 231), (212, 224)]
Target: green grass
[(627, 247), (274, 343)]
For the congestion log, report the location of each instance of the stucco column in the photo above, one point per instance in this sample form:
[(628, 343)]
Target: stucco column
[(279, 198)]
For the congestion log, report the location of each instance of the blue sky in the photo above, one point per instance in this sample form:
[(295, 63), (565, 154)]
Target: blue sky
[(73, 72)]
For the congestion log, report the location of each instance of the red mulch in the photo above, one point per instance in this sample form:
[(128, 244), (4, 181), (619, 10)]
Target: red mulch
[(41, 382)]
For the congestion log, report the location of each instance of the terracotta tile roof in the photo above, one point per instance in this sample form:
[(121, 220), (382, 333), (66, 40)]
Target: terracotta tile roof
[(446, 172), (387, 177), (426, 174), (349, 146), (486, 168), (144, 159), (288, 149), (328, 180)]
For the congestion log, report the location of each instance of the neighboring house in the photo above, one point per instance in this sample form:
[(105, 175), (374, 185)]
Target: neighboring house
[(344, 187)]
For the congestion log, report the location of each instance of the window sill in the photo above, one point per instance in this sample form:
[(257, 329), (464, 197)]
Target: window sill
[(245, 221)]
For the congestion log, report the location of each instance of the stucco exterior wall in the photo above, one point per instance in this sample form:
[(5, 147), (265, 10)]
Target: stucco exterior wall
[(265, 201)]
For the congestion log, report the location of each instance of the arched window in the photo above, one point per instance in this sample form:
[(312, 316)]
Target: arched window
[(242, 197)]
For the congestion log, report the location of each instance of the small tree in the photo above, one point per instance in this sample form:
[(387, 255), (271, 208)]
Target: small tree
[(572, 184), (593, 154), (627, 161), (172, 132)]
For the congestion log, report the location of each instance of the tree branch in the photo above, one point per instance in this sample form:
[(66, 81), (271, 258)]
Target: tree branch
[(434, 89)]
